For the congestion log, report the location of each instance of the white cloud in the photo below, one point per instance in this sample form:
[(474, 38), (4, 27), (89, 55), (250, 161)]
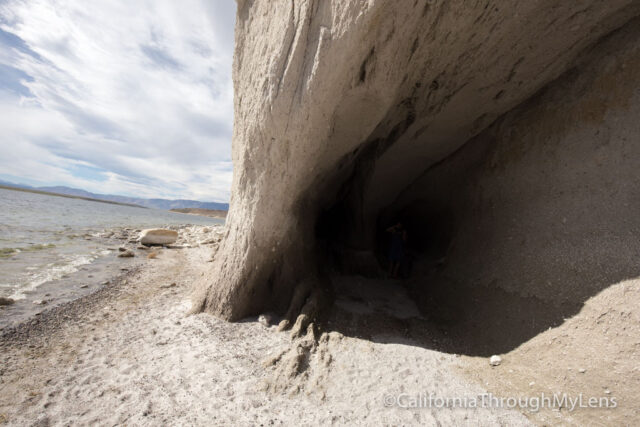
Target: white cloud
[(124, 97)]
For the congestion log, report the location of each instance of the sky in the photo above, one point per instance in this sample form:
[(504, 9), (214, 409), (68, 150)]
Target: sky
[(118, 96)]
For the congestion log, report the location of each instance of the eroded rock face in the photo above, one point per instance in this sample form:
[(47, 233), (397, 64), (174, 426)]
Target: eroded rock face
[(544, 202), (341, 105)]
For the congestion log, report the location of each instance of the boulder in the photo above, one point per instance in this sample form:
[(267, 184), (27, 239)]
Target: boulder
[(158, 236)]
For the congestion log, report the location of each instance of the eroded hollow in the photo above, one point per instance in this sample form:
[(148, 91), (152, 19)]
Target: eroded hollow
[(428, 301), (435, 300), (429, 227), (509, 234)]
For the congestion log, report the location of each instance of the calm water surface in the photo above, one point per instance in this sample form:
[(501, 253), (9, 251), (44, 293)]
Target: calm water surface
[(45, 238)]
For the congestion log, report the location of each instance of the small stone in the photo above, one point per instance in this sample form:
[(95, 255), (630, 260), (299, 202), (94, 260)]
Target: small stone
[(126, 254), (532, 383), (122, 249), (265, 320), (6, 301), (84, 286), (607, 391), (283, 325), (582, 370), (171, 285), (495, 360), (40, 302)]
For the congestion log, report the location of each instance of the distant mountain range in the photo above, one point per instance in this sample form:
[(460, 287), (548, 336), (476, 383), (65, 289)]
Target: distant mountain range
[(148, 203)]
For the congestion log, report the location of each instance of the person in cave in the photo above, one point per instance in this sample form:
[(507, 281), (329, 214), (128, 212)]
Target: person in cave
[(396, 249)]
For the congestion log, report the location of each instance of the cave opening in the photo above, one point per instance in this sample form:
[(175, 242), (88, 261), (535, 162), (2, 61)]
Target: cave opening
[(429, 228), (505, 232), (434, 301)]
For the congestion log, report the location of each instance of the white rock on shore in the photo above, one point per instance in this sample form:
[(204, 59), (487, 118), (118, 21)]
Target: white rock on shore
[(495, 360), (158, 236)]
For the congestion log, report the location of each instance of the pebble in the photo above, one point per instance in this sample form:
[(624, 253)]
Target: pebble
[(126, 254), (582, 370), (265, 320), (495, 360), (171, 285)]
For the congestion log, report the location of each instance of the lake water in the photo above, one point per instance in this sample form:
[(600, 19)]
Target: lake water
[(45, 238)]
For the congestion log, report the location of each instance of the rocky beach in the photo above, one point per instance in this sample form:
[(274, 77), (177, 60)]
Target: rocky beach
[(122, 250), (129, 352)]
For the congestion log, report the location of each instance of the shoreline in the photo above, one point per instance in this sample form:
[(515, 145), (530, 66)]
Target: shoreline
[(54, 318), (101, 271), (88, 279)]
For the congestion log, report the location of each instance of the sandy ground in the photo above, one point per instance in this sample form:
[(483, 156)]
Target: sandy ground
[(128, 354), (595, 353)]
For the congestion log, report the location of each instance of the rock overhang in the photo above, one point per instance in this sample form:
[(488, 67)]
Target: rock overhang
[(345, 104)]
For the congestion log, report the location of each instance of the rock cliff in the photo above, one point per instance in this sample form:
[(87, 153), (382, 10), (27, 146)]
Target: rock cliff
[(352, 114)]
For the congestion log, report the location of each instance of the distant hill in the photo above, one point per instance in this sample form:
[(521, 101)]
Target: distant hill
[(165, 204), (213, 213)]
